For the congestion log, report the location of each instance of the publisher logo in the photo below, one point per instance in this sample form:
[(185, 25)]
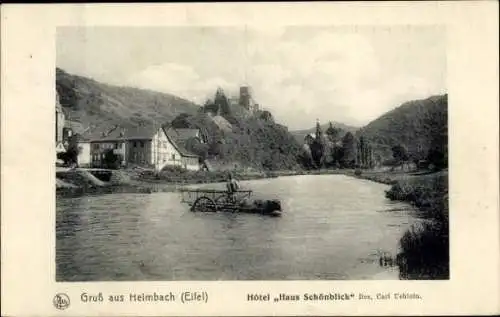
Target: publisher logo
[(61, 301)]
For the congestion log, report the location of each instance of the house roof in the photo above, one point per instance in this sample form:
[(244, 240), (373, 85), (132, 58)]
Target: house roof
[(179, 138), (186, 133), (116, 133)]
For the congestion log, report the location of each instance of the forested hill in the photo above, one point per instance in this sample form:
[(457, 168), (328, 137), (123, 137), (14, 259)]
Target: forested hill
[(241, 137), (94, 103), (417, 125)]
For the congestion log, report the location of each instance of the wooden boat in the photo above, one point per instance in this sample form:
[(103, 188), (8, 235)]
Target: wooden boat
[(214, 200)]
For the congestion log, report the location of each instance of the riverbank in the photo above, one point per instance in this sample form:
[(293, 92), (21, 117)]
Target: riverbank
[(78, 182), (81, 182), (424, 248)]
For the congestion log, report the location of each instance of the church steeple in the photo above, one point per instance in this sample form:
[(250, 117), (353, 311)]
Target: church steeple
[(319, 133)]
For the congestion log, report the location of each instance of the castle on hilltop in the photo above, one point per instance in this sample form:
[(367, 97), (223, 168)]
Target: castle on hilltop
[(245, 100)]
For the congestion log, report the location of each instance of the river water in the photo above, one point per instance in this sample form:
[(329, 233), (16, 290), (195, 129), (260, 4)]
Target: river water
[(333, 227)]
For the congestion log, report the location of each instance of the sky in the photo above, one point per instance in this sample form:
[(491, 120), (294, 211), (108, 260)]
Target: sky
[(345, 74)]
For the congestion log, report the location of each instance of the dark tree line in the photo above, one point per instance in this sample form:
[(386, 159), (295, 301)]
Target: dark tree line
[(365, 154), (331, 150), (349, 152)]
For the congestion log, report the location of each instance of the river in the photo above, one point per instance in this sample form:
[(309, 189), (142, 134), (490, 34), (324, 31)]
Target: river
[(334, 227)]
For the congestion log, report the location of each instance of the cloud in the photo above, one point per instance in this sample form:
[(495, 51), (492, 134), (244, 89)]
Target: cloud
[(318, 78), (180, 80), (300, 74)]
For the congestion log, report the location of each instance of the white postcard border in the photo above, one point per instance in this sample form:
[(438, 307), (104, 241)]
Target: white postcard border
[(28, 203)]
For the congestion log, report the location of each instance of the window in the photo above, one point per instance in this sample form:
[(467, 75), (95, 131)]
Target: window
[(116, 145), (173, 157), (142, 143), (135, 144)]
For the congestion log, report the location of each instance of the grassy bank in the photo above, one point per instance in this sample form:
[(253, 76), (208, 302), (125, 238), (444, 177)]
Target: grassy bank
[(424, 248), (81, 182), (75, 183), (180, 176)]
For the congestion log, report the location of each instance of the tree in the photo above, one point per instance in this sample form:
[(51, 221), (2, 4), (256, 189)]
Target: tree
[(266, 116), (222, 102), (317, 153), (400, 154), (210, 106), (305, 157), (337, 154), (371, 163), (365, 153), (195, 146), (318, 147), (181, 121), (112, 160), (328, 154), (359, 152), (332, 133), (348, 153), (377, 159), (215, 148), (438, 151)]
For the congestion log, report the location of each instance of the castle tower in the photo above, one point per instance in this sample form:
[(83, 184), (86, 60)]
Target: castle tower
[(245, 97), (319, 133)]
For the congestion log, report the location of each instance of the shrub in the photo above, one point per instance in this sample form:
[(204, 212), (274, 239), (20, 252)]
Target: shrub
[(112, 160), (424, 248), (425, 252), (357, 172)]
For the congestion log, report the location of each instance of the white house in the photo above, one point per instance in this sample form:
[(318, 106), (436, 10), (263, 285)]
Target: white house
[(144, 146)]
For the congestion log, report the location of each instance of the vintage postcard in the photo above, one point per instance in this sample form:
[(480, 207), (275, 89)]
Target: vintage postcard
[(250, 159)]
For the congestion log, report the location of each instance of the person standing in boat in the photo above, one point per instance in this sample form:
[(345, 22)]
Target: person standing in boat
[(232, 186)]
